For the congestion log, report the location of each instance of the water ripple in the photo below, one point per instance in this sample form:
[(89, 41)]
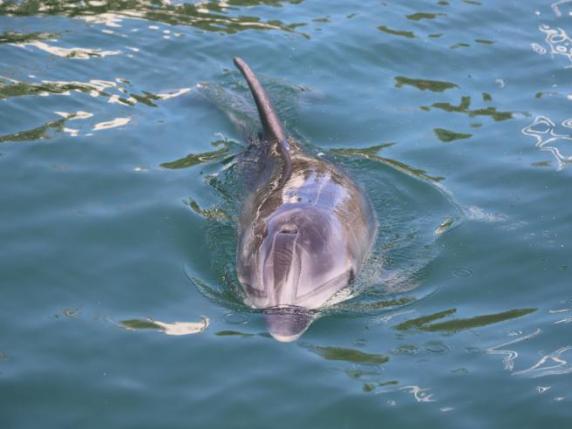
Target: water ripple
[(419, 393), (543, 130), (556, 365), (206, 16), (556, 7), (114, 123), (73, 53), (509, 356), (557, 40), (175, 328)]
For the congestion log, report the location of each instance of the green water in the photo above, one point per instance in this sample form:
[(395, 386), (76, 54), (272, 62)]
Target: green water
[(120, 188)]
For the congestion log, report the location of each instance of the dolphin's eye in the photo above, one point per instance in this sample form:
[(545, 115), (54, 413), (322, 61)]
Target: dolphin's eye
[(288, 229)]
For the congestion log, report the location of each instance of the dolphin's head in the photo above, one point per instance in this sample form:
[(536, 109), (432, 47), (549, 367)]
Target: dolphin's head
[(287, 324), (304, 258)]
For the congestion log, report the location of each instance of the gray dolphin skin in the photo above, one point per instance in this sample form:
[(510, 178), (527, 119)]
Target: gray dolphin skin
[(304, 232)]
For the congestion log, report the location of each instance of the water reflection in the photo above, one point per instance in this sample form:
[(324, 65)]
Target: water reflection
[(114, 123), (117, 92), (543, 130), (558, 41), (17, 37), (349, 355), (43, 132), (448, 136), (394, 32), (199, 158), (366, 368), (373, 301), (230, 333), (424, 84), (562, 7), (213, 214), (550, 364), (371, 153), (426, 324), (420, 394), (19, 89), (464, 107), (207, 16), (424, 15), (175, 328), (73, 53)]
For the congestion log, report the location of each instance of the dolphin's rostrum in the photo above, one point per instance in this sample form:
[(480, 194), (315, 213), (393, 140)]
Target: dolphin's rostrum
[(304, 232)]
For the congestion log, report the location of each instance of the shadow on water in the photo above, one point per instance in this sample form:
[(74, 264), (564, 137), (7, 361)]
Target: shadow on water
[(207, 16)]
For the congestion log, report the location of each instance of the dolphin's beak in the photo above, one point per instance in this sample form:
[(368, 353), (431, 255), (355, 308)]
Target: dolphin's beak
[(287, 324)]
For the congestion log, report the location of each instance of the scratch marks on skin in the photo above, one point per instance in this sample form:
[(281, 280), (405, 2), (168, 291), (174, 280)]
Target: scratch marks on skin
[(543, 130)]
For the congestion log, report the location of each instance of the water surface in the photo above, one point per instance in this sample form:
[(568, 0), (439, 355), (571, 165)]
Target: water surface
[(119, 134)]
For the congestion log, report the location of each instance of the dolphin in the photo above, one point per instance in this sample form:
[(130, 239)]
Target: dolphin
[(304, 232)]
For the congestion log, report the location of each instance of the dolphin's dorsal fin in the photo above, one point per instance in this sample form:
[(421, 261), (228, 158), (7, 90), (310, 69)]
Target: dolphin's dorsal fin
[(270, 122)]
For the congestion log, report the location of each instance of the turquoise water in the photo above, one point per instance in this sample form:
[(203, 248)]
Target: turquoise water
[(119, 134)]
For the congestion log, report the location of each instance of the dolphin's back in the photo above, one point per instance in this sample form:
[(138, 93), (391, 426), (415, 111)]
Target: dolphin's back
[(304, 232)]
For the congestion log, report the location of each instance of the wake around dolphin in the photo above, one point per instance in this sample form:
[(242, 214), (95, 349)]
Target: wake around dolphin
[(304, 232)]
